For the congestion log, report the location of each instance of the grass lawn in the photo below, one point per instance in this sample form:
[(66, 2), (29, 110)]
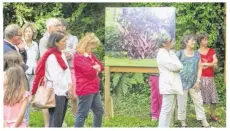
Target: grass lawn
[(109, 61), (130, 112)]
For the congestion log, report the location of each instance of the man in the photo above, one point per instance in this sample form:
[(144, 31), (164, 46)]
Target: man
[(13, 40), (52, 25), (71, 44)]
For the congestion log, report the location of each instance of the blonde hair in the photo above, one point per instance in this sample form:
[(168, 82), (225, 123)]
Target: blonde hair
[(33, 28), (15, 85), (87, 40)]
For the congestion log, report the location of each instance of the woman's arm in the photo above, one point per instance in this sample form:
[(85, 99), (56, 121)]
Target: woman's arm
[(22, 113), (199, 71), (171, 63), (86, 68), (98, 62)]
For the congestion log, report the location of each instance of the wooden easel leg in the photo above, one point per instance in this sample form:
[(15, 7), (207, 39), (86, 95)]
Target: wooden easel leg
[(108, 113), (225, 45)]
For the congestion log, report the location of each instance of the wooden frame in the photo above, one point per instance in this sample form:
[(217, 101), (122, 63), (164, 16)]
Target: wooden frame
[(225, 44), (108, 99)]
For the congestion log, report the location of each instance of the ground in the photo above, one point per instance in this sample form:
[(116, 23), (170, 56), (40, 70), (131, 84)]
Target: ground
[(130, 112)]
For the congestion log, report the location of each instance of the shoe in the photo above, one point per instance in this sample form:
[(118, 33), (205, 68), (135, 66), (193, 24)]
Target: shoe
[(154, 119), (183, 124), (205, 123), (214, 118)]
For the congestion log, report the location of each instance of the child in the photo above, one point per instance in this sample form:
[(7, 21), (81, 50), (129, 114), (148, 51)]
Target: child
[(15, 97), (190, 77)]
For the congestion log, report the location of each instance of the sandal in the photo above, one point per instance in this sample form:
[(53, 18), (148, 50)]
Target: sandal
[(215, 118)]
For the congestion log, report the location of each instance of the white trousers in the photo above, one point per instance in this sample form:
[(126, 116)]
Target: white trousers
[(197, 101), (167, 109)]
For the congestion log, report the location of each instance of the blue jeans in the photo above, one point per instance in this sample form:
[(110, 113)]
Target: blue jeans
[(85, 103)]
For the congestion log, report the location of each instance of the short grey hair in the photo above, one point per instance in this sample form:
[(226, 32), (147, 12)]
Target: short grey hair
[(163, 37), (52, 21), (11, 31)]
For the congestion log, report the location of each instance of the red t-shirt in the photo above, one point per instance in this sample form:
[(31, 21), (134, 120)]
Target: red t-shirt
[(87, 79), (208, 58)]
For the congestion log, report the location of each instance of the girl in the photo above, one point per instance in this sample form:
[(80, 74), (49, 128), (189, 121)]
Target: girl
[(208, 88), (190, 77), (15, 97)]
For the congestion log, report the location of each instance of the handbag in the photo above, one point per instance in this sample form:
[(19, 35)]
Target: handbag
[(44, 97)]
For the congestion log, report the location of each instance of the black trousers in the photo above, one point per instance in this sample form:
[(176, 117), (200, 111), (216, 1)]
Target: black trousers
[(57, 114)]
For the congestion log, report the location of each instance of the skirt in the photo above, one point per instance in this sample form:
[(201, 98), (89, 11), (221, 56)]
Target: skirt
[(208, 90)]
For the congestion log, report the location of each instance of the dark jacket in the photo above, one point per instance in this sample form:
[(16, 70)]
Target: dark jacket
[(8, 47)]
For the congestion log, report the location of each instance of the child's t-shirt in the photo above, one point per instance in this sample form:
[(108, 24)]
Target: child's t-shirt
[(11, 112)]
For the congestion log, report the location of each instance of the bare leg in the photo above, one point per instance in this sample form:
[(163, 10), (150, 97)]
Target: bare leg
[(46, 117), (213, 109)]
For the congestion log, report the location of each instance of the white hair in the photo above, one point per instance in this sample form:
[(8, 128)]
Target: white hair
[(51, 21)]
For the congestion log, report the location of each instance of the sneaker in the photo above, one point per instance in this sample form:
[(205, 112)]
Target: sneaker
[(205, 123), (183, 124)]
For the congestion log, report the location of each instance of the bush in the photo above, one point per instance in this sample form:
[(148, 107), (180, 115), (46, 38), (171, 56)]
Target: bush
[(221, 88)]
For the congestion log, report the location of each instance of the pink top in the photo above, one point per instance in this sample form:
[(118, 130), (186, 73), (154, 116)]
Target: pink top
[(11, 112)]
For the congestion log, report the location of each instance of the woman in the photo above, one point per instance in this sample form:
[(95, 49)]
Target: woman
[(29, 33), (87, 67), (190, 77), (208, 88), (53, 65), (71, 44), (169, 82), (156, 97)]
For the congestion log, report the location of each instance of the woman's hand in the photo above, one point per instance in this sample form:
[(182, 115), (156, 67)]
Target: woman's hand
[(177, 71), (197, 86), (68, 56), (70, 92), (21, 46), (97, 67)]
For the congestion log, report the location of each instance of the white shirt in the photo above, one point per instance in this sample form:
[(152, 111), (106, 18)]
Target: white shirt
[(61, 78), (168, 65), (32, 56), (71, 44)]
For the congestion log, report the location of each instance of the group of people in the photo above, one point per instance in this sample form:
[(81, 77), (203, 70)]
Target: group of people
[(188, 71), (73, 70), (63, 61)]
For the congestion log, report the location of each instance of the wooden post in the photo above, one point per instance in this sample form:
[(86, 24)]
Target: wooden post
[(108, 111), (225, 44)]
